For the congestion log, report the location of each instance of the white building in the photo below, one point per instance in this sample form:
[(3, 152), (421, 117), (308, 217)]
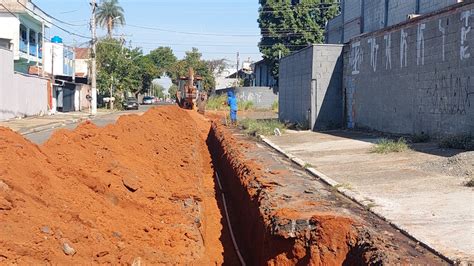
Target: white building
[(24, 24)]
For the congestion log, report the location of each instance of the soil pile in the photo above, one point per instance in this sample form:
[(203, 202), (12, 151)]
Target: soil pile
[(138, 191)]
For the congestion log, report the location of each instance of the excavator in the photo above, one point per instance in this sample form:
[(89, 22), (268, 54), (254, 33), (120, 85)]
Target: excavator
[(189, 89)]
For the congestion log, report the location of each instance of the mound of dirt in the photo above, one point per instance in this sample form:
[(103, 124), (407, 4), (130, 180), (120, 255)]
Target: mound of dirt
[(133, 192)]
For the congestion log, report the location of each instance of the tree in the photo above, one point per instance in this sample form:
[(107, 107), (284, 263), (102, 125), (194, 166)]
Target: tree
[(200, 67), (289, 25), (217, 66), (109, 15), (164, 59), (172, 91)]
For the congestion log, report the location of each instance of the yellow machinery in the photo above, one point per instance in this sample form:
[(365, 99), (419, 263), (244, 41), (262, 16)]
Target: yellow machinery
[(188, 90)]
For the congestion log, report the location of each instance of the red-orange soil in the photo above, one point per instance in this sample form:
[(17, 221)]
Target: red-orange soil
[(140, 190)]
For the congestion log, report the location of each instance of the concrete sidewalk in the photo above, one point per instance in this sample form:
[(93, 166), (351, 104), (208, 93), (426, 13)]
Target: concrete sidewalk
[(420, 191), (38, 123)]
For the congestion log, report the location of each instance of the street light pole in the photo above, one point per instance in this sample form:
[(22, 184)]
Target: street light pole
[(93, 59)]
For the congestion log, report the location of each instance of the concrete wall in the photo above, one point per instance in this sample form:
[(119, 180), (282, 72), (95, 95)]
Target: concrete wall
[(311, 87), (295, 86), (416, 77), (374, 15), (262, 97), (334, 29), (20, 95)]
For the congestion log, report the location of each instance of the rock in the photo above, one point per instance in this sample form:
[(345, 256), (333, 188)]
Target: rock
[(117, 234), (46, 230), (102, 254), (137, 261), (5, 205), (4, 187), (68, 250), (131, 183)]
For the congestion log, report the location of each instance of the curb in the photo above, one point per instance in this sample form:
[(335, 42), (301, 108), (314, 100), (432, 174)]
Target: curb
[(355, 197), (54, 125)]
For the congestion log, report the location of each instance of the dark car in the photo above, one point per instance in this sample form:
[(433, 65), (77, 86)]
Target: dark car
[(130, 103)]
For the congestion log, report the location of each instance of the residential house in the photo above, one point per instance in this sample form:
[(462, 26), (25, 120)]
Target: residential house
[(24, 24)]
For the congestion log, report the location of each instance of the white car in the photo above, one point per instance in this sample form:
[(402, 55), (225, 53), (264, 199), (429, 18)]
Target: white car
[(148, 100)]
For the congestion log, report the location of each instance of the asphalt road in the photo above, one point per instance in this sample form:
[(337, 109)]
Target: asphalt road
[(42, 136)]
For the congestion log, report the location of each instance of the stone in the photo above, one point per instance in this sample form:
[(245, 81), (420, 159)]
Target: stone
[(5, 205), (46, 230), (131, 183), (117, 234), (68, 250), (137, 261), (3, 186)]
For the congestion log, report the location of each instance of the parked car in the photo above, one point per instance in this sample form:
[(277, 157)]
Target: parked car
[(148, 100), (130, 103)]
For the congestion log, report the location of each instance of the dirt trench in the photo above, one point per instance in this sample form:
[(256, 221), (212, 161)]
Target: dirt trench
[(144, 191)]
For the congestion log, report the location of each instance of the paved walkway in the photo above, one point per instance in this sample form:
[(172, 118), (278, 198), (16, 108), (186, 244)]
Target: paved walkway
[(420, 191)]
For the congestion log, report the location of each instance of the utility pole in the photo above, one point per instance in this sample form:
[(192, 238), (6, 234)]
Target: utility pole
[(93, 63)]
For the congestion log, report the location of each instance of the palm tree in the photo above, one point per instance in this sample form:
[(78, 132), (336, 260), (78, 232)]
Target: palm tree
[(109, 15)]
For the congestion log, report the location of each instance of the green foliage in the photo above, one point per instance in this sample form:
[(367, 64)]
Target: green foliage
[(255, 127), (158, 91), (172, 91), (385, 146), (123, 69), (110, 14), (286, 27), (201, 68), (275, 106), (462, 142), (217, 102), (245, 105), (164, 59)]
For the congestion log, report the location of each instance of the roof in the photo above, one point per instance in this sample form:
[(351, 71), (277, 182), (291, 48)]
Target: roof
[(82, 53)]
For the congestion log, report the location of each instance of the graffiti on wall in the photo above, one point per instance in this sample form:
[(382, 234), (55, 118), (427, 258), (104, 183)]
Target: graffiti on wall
[(356, 58), (350, 103), (420, 44), (403, 48), (374, 50), (255, 97), (388, 51), (442, 30), (465, 29), (450, 94)]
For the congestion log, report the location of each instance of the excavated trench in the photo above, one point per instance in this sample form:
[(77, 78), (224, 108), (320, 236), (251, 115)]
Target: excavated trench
[(170, 187), (282, 216)]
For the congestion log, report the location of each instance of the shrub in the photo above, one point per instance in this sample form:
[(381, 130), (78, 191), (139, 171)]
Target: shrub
[(275, 106), (385, 146), (245, 105), (255, 127), (217, 102), (462, 142)]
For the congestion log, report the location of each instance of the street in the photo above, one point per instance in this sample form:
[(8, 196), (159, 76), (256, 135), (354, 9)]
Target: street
[(42, 136)]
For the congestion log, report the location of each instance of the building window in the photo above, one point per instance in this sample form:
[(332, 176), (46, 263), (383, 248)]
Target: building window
[(40, 45), (33, 44), (23, 39)]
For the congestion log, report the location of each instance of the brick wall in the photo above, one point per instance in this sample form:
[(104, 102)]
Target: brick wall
[(417, 77)]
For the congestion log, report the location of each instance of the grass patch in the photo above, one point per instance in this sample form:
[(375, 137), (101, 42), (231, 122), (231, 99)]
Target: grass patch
[(275, 105), (463, 142), (385, 146), (217, 103), (267, 127), (307, 165), (245, 105)]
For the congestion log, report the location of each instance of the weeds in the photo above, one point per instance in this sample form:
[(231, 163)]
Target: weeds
[(307, 165), (385, 146), (217, 103), (255, 127), (275, 106), (463, 142), (245, 105)]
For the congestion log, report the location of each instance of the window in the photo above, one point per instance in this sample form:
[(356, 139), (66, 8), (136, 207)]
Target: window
[(23, 39), (32, 39), (40, 45)]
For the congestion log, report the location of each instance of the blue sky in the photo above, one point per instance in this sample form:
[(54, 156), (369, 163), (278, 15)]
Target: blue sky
[(207, 17)]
